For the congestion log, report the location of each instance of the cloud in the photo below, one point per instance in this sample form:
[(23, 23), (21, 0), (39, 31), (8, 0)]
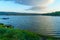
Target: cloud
[(37, 5), (32, 2), (35, 2)]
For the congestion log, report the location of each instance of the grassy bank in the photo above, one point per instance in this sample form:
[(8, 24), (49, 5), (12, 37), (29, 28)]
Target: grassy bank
[(9, 33), (16, 34)]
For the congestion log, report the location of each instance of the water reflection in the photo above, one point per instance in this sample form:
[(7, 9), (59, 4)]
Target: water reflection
[(46, 25), (43, 24)]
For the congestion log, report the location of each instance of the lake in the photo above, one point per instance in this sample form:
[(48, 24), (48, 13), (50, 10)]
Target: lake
[(46, 25)]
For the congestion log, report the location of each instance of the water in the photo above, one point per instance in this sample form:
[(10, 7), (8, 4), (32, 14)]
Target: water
[(46, 25)]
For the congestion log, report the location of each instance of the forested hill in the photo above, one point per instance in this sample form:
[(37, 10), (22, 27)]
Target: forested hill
[(53, 14), (16, 13)]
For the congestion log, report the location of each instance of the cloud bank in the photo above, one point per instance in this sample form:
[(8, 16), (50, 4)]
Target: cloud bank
[(37, 5)]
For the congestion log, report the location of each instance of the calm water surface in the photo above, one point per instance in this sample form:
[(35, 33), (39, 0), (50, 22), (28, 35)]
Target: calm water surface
[(46, 25)]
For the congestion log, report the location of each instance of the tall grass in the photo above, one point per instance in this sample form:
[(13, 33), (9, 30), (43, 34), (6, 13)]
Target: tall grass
[(7, 32)]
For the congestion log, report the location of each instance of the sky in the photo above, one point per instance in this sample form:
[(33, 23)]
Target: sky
[(13, 6), (55, 6)]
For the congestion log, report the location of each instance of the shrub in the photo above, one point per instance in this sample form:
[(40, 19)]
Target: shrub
[(5, 26)]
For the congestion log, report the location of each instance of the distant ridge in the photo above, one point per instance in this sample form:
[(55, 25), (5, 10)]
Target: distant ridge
[(53, 14), (16, 13)]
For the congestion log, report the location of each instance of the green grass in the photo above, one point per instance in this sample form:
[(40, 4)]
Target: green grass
[(9, 33), (16, 34)]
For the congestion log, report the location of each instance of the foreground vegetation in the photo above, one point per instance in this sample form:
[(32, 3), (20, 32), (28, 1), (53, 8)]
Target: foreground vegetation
[(9, 33)]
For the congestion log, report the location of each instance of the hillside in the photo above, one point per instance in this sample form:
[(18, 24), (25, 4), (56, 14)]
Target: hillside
[(15, 13), (52, 14)]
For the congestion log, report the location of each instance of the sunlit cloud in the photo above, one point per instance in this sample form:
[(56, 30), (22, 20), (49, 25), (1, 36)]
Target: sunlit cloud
[(37, 5), (33, 6)]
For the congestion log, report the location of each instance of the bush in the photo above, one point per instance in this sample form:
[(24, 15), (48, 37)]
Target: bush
[(5, 26)]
